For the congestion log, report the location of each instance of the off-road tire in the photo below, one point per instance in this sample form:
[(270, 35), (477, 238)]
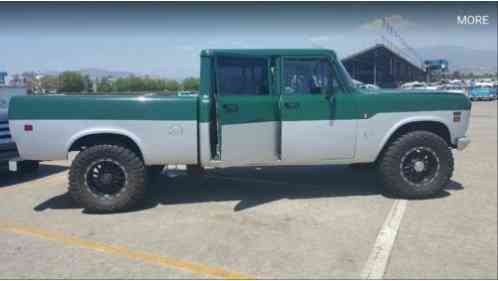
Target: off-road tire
[(390, 165), (128, 196)]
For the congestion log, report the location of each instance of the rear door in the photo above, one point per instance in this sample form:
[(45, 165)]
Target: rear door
[(318, 116), (247, 110)]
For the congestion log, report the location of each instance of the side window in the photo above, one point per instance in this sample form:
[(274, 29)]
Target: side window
[(308, 76), (242, 76)]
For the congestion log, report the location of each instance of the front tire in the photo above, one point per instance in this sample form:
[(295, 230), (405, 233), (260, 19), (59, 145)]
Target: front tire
[(418, 164), (107, 178)]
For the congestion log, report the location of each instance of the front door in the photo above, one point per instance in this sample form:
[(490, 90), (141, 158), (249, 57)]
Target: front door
[(318, 116), (247, 112)]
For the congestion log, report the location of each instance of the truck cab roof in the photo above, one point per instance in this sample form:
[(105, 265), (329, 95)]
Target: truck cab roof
[(271, 52)]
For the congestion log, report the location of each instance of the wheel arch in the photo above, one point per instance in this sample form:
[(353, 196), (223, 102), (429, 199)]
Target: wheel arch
[(105, 136), (434, 125)]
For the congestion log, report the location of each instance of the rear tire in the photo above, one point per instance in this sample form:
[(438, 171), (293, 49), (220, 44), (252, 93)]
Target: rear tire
[(418, 164), (107, 178)]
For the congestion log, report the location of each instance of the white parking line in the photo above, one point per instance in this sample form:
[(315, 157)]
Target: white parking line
[(379, 257)]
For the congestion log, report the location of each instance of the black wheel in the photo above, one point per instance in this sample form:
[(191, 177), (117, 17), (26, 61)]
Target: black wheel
[(107, 178), (418, 164), (28, 166)]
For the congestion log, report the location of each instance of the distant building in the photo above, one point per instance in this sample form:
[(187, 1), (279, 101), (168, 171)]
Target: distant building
[(381, 66), (17, 81), (2, 78)]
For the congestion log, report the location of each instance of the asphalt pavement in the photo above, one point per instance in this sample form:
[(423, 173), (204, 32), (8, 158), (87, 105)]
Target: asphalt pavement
[(275, 222)]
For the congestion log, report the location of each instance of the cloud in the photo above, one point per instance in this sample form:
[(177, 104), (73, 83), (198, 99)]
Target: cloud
[(397, 21), (320, 38), (327, 41), (187, 48)]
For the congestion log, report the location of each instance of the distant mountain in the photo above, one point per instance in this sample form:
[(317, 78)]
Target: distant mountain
[(463, 59)]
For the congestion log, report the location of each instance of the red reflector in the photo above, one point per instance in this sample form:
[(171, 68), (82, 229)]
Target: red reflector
[(28, 127)]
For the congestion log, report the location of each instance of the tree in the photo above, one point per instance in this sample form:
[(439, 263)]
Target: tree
[(104, 85), (72, 82), (30, 82), (87, 84), (191, 84), (50, 83), (456, 74), (172, 85)]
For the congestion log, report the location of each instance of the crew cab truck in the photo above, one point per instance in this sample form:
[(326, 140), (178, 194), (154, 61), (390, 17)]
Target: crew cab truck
[(254, 108)]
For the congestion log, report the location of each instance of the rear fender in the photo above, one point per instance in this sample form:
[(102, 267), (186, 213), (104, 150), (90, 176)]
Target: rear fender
[(97, 131)]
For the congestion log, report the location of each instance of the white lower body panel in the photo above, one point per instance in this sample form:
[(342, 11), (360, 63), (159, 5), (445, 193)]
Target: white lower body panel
[(374, 132), (318, 140), (251, 142), (161, 142)]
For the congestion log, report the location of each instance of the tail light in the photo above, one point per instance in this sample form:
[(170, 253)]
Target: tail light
[(457, 116)]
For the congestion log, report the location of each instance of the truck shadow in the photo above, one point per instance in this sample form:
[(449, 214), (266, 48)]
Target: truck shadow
[(256, 186), (253, 187), (8, 179)]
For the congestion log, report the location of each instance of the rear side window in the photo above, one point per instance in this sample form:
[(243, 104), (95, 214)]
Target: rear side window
[(242, 76), (303, 76)]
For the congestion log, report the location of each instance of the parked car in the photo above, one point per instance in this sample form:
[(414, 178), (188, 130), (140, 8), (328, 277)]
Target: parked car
[(482, 91), (369, 87), (414, 85), (187, 94), (453, 88), (255, 108), (8, 149)]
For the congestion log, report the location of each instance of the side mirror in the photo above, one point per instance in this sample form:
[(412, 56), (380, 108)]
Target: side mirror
[(328, 92), (330, 96)]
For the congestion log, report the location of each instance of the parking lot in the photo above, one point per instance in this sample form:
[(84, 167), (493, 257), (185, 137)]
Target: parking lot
[(278, 222)]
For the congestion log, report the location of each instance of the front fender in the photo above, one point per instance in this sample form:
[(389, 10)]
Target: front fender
[(375, 132), (407, 121)]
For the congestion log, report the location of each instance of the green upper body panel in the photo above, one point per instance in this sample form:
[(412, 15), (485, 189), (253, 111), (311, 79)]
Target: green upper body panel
[(386, 101), (347, 106), (349, 103), (355, 104), (100, 107)]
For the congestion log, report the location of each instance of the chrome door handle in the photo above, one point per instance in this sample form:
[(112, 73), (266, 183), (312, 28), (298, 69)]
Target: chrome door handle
[(291, 105), (230, 107)]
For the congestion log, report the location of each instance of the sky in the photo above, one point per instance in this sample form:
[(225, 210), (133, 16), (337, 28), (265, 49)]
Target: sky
[(165, 39)]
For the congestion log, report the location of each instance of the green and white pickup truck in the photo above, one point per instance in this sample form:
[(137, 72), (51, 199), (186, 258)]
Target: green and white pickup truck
[(254, 108)]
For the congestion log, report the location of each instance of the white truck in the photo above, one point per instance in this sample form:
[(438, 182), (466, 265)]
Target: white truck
[(254, 108)]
